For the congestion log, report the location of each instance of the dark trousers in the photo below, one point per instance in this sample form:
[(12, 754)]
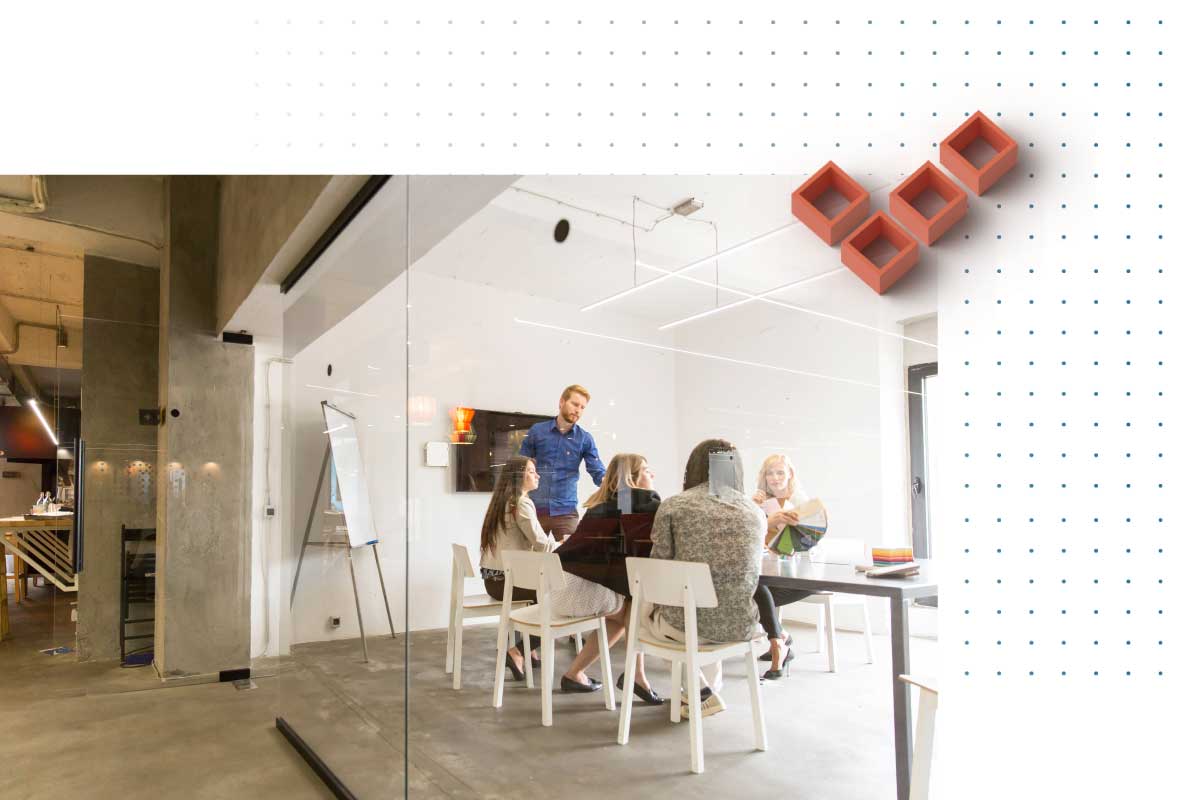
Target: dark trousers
[(495, 590), (768, 599), (560, 526)]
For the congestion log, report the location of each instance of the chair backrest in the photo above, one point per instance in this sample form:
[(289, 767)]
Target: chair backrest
[(665, 582), (594, 539), (462, 561), (529, 570), (637, 533), (837, 550)]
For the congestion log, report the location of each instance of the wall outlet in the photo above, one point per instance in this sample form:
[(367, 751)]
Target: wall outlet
[(334, 622)]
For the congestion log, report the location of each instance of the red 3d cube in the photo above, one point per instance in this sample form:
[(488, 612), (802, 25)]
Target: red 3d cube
[(928, 203), (830, 203), (978, 153), (880, 252)]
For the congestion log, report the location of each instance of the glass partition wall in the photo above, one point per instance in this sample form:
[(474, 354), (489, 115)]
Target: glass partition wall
[(686, 309), (437, 336), (336, 378)]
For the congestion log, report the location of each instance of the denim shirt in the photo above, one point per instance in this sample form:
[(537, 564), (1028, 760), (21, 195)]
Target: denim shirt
[(559, 456)]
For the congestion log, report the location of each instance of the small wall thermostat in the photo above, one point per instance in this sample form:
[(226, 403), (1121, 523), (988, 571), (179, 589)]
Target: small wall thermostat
[(438, 454)]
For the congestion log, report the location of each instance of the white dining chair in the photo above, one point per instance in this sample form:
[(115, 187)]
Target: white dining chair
[(465, 607), (688, 585), (923, 736), (842, 551), (542, 572)]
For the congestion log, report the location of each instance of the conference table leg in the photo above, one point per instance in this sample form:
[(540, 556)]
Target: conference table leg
[(902, 727)]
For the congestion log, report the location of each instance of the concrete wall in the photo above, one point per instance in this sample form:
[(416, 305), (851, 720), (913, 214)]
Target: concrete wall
[(203, 581), (119, 377), (258, 214)]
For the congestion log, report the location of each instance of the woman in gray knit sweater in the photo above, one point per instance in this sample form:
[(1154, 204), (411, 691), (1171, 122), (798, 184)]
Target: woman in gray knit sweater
[(724, 532)]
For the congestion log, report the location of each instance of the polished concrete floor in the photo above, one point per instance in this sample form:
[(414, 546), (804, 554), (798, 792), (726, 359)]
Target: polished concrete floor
[(93, 730), (830, 734), (69, 729)]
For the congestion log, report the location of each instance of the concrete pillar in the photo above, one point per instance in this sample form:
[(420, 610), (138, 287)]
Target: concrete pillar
[(203, 508), (120, 337)]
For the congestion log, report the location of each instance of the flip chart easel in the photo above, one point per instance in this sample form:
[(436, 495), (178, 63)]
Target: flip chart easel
[(343, 423)]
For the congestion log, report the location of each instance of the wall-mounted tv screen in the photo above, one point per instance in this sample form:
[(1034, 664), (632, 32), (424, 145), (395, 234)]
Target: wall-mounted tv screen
[(498, 435)]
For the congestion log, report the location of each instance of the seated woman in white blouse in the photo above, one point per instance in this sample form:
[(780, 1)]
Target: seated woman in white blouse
[(511, 524), (779, 494)]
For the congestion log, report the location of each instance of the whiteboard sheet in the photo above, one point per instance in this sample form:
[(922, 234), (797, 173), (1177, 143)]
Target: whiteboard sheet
[(350, 473)]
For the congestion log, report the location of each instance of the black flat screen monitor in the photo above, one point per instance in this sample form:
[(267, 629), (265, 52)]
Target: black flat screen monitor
[(498, 435)]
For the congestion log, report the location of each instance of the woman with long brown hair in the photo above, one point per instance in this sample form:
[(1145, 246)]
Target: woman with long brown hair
[(511, 524), (723, 530)]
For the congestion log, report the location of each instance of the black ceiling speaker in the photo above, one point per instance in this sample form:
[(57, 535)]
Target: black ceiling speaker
[(561, 230)]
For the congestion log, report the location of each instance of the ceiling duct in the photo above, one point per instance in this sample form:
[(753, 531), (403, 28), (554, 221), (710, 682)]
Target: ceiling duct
[(23, 200)]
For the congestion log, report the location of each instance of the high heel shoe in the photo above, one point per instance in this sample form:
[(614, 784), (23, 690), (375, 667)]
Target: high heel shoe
[(517, 672), (784, 669), (766, 656)]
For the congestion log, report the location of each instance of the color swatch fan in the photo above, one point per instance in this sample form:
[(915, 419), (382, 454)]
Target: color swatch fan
[(805, 534)]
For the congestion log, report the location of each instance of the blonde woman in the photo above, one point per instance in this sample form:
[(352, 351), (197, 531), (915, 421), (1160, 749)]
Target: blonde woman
[(779, 493), (626, 472), (630, 470)]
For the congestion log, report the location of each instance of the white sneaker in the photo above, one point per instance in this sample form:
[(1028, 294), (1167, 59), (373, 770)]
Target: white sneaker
[(713, 704)]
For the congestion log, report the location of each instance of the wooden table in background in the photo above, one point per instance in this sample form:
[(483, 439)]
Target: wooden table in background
[(35, 543)]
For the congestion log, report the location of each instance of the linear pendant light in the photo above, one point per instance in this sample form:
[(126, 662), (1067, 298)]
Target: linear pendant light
[(749, 296), (751, 299), (676, 272), (699, 354), (44, 424)]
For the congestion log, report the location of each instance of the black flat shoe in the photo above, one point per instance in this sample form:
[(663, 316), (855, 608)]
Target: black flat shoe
[(649, 696), (573, 686), (766, 656), (517, 672)]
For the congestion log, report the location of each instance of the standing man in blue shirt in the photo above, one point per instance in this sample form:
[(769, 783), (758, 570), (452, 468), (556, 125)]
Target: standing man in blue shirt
[(559, 446)]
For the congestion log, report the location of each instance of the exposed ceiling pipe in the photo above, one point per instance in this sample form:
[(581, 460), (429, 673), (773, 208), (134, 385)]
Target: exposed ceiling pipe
[(20, 382), (22, 205)]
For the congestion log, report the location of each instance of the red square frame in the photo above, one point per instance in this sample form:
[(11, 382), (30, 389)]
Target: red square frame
[(978, 179), (830, 229), (928, 229), (879, 279)]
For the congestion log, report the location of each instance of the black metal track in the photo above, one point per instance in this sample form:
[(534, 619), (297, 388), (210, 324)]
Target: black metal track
[(358, 202), (334, 784)]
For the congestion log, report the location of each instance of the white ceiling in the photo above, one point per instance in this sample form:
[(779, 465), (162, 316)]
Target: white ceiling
[(509, 244)]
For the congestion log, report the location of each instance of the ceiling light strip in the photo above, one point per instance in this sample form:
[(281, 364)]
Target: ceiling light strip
[(668, 274), (711, 356), (37, 410), (751, 299)]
